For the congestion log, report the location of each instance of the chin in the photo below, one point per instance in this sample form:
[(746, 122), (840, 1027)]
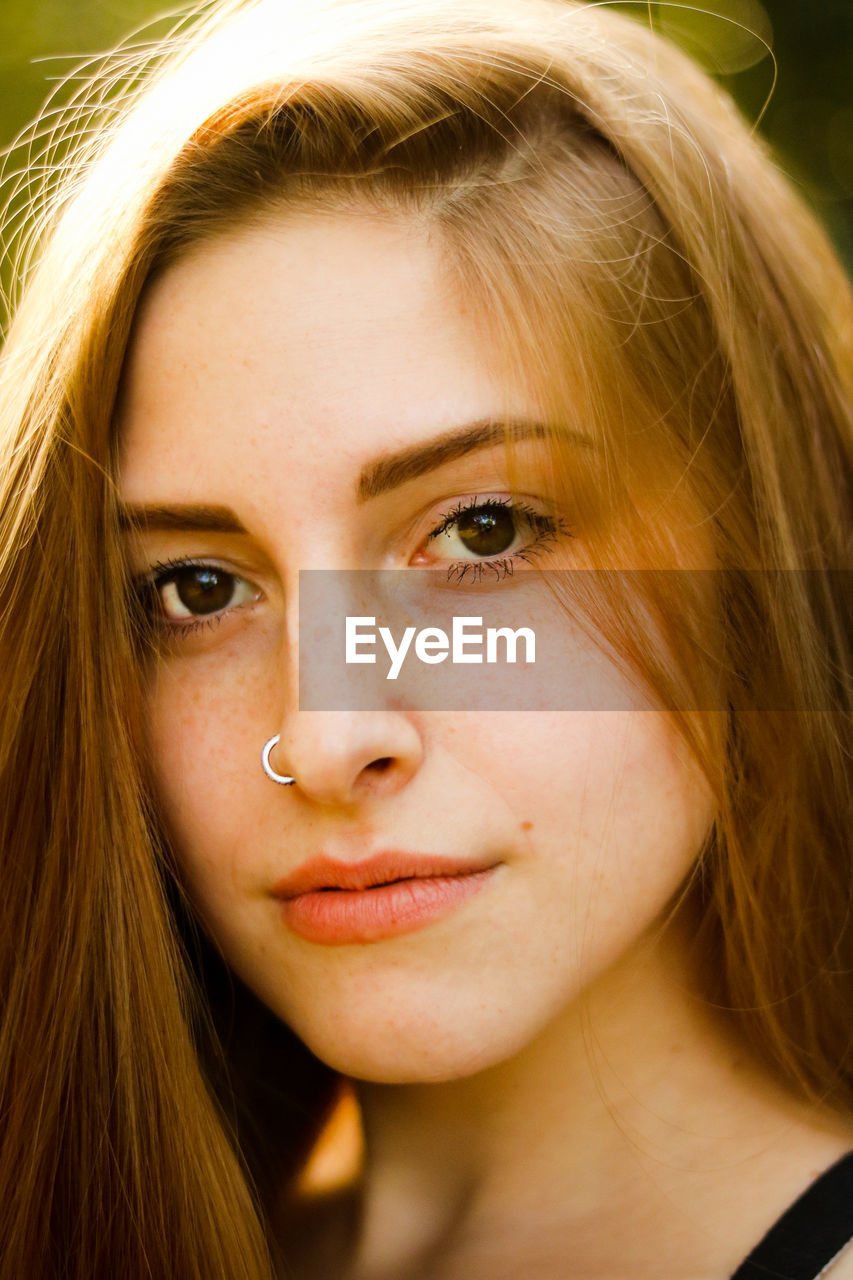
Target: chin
[(413, 1047), (406, 1064)]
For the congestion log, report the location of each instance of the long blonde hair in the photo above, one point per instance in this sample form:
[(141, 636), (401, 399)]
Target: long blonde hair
[(647, 274)]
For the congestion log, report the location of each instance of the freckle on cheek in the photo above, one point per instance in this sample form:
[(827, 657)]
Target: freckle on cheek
[(527, 826)]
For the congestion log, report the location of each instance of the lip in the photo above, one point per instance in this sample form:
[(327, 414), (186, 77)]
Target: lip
[(338, 903)]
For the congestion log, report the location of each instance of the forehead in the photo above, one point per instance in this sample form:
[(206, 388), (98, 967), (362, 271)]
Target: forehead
[(326, 332)]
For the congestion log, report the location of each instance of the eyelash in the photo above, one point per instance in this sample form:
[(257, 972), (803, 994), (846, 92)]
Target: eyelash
[(158, 575), (548, 528)]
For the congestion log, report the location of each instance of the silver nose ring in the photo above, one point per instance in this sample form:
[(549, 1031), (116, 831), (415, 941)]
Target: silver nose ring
[(268, 769)]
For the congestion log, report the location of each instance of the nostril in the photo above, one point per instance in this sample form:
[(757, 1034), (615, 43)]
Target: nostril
[(381, 765)]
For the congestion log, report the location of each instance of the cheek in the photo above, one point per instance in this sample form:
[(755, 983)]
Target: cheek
[(613, 813), (205, 737)]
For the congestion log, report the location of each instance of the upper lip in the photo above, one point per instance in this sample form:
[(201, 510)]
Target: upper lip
[(325, 872)]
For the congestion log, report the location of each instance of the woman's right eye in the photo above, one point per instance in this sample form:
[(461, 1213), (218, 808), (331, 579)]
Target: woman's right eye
[(185, 592)]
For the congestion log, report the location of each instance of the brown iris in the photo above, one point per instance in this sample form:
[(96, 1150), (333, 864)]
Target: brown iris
[(486, 530), (202, 589)]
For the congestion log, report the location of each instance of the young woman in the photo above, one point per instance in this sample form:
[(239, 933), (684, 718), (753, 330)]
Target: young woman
[(396, 285)]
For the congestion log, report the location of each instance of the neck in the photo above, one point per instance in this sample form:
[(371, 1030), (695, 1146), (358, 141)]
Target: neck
[(629, 1129)]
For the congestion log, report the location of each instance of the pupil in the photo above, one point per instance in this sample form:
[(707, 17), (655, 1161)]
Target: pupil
[(203, 590), (487, 531)]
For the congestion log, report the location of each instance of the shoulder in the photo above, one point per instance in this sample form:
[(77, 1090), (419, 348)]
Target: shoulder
[(841, 1267), (813, 1238)]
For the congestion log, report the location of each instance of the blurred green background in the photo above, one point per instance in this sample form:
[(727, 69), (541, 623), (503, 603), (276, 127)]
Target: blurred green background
[(809, 118)]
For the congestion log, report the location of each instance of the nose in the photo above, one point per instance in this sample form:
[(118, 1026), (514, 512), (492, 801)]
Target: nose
[(342, 757), (345, 758)]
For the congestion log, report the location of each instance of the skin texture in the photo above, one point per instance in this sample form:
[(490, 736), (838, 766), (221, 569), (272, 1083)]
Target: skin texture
[(267, 367)]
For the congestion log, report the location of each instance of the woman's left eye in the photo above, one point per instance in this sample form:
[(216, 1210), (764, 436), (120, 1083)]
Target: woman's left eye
[(479, 530)]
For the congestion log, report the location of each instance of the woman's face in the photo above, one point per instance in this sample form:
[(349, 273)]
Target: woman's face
[(269, 369)]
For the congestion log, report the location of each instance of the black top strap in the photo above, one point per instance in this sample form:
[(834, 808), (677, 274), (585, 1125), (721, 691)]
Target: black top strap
[(810, 1234)]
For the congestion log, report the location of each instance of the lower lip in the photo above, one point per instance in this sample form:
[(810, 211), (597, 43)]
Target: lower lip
[(337, 917)]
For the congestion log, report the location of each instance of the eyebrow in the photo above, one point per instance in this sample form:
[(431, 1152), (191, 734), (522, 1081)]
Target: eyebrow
[(182, 516), (391, 470), (385, 473)]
